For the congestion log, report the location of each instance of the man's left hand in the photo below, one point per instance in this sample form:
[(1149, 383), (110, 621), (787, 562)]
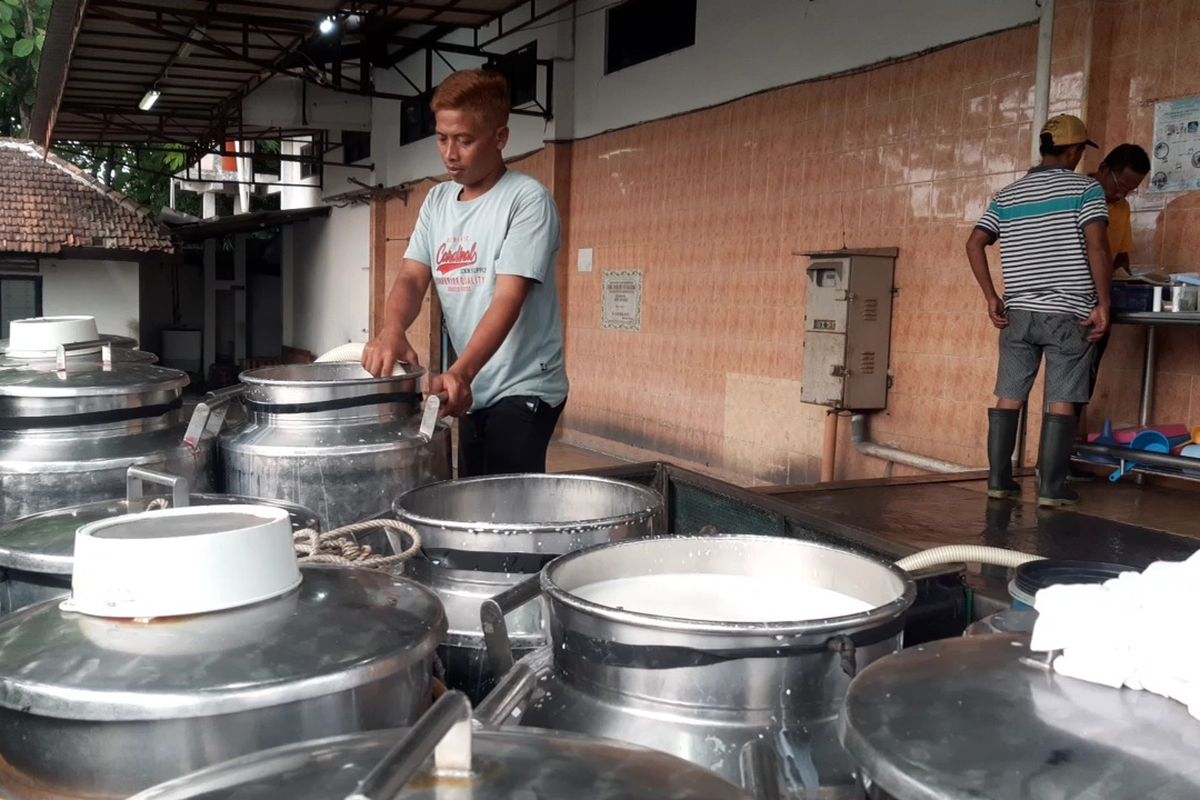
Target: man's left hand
[(1098, 322), (457, 391)]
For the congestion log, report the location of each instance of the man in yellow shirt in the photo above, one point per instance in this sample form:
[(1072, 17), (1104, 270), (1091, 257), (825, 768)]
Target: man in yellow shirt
[(1119, 174)]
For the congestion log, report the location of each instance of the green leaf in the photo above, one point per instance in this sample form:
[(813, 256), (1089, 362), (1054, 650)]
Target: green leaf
[(7, 30), (13, 3), (6, 13), (23, 48), (40, 40)]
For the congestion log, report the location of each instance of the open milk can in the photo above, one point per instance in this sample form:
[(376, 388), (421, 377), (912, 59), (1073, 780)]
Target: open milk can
[(37, 551), (482, 536), (732, 652), (75, 414), (447, 755), (332, 438), (192, 636)]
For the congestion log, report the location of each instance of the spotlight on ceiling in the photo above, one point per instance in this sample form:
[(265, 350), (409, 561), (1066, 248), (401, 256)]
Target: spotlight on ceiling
[(149, 99), (327, 25)]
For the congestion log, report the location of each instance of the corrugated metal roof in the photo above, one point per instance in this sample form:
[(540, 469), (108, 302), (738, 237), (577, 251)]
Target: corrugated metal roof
[(101, 56)]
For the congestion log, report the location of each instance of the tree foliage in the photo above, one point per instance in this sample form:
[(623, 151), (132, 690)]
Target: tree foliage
[(22, 35), (140, 173)]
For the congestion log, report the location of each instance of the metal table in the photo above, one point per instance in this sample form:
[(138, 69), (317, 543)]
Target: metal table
[(978, 717), (1152, 320)]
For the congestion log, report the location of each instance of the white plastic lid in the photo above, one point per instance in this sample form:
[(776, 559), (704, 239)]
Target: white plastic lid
[(182, 561), (38, 336)]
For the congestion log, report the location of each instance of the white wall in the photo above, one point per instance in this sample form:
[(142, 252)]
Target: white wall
[(745, 47), (106, 290), (331, 279), (741, 48), (306, 195)]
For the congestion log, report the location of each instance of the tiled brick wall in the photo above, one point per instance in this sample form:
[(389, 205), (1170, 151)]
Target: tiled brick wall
[(1146, 51)]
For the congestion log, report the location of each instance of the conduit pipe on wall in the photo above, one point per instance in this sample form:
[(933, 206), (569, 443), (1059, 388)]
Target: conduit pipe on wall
[(829, 448), (1041, 83), (861, 436)]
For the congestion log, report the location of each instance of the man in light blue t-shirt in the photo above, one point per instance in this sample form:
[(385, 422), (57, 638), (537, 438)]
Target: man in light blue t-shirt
[(488, 239)]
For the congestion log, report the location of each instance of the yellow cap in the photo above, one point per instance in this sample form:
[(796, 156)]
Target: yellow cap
[(1066, 129)]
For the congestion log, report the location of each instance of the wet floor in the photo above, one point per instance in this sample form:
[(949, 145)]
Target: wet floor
[(919, 516)]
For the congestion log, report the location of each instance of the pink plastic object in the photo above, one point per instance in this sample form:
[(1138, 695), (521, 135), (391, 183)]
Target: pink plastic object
[(1125, 436)]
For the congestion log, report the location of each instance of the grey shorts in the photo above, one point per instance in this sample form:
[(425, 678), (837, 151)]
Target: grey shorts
[(1069, 357)]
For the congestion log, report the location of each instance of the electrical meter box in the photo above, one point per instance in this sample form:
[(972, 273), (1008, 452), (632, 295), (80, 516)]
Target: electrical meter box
[(847, 329)]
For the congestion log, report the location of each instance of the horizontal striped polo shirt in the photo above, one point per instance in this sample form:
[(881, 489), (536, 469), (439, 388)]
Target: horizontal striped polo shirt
[(1039, 220)]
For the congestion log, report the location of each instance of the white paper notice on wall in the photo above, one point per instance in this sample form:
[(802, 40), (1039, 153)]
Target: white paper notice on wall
[(1175, 162), (622, 300), (585, 259)]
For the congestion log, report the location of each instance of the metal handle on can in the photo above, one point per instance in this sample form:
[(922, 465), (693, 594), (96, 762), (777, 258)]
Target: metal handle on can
[(209, 415), (429, 417), (444, 730), (135, 477), (495, 629), (60, 358), (760, 768), (507, 696)]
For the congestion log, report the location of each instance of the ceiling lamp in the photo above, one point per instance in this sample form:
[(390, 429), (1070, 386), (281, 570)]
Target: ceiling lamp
[(149, 99)]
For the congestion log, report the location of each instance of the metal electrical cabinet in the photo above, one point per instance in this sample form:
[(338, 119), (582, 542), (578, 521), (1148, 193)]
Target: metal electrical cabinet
[(847, 329)]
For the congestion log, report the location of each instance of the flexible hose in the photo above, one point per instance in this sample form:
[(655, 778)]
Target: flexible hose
[(968, 553), (352, 352)]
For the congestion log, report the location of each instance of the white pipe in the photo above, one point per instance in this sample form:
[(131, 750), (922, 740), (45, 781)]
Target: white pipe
[(965, 553), (863, 444), (1041, 82)]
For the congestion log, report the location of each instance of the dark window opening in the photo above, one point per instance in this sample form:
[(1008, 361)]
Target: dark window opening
[(416, 119), (269, 201), (20, 298), (225, 267), (307, 167), (356, 145), (639, 30), (519, 68)]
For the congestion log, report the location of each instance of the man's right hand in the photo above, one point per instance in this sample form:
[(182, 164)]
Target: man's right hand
[(996, 313), (381, 353)]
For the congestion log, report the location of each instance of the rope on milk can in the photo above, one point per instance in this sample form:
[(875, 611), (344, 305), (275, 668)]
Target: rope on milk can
[(339, 547)]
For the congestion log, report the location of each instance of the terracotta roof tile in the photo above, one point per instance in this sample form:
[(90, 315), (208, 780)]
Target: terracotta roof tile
[(48, 204)]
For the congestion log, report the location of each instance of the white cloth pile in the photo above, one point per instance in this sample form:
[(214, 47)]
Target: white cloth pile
[(1136, 630)]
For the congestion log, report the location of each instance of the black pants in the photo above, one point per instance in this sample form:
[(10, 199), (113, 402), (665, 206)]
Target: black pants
[(509, 436)]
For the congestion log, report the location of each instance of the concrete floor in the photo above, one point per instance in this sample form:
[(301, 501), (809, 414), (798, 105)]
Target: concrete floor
[(568, 458)]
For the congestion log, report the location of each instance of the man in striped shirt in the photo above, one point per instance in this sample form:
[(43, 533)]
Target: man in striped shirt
[(1052, 225)]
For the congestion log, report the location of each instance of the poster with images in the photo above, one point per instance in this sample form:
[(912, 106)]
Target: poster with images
[(1175, 160), (622, 300)]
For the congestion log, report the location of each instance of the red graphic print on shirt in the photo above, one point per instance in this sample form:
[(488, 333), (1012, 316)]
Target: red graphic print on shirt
[(459, 255)]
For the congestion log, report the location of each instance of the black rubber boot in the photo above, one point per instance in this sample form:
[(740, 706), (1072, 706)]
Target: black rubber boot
[(1054, 460), (1002, 437)]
